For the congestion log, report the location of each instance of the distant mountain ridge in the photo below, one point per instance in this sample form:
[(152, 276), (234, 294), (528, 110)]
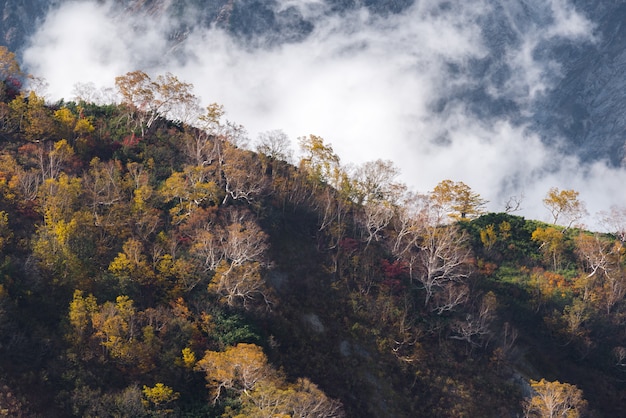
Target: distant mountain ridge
[(585, 107)]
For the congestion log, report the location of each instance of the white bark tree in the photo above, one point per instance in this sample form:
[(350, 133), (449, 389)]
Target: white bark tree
[(149, 99), (443, 257)]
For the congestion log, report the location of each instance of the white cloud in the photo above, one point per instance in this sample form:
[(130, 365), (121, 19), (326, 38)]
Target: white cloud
[(309, 9), (368, 84), (93, 42), (567, 22)]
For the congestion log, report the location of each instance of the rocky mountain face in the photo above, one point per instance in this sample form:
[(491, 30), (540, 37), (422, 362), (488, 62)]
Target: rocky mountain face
[(19, 19), (583, 109), (587, 106), (583, 106)]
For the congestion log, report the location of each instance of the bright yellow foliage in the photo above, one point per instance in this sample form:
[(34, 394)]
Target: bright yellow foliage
[(457, 200), (83, 127), (120, 264), (132, 264), (159, 394), (189, 358), (505, 230), (564, 204), (189, 190), (114, 327), (60, 197), (488, 236), (552, 244), (80, 311), (65, 117)]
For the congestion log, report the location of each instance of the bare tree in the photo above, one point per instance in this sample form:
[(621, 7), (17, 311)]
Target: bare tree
[(375, 180), (240, 284), (475, 329), (240, 241), (149, 99), (594, 252), (407, 222), (245, 242), (308, 401), (28, 182), (207, 247), (603, 261), (438, 256), (52, 157), (243, 175), (619, 355), (513, 204), (451, 295), (615, 222), (443, 257), (103, 184), (378, 194), (275, 144), (376, 216)]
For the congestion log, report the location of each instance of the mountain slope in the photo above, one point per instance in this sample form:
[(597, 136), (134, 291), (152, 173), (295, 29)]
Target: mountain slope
[(148, 267)]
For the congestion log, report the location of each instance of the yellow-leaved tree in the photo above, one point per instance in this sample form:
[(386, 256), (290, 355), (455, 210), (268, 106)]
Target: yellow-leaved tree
[(243, 371), (554, 399), (236, 369), (158, 399), (457, 200), (564, 206), (551, 244)]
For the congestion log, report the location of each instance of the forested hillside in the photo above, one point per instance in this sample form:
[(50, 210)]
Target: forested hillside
[(152, 264)]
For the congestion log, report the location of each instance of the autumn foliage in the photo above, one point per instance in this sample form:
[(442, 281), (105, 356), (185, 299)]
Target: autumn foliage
[(151, 264)]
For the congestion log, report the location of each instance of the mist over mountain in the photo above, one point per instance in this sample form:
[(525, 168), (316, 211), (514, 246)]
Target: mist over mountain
[(528, 92), (151, 264)]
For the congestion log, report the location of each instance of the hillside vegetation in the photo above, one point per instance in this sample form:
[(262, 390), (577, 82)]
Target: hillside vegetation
[(149, 267)]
